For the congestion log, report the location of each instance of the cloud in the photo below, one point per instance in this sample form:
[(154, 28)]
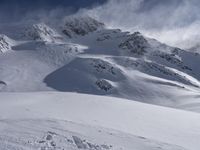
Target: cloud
[(15, 10), (176, 22)]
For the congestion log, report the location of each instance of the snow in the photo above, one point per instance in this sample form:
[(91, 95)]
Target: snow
[(50, 61), (42, 32), (42, 62), (54, 134), (133, 124)]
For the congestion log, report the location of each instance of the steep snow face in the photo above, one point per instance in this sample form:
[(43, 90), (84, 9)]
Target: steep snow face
[(5, 43), (77, 25), (86, 75), (42, 32), (25, 69)]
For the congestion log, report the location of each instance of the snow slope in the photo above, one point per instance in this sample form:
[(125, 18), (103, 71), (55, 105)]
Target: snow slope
[(68, 120), (54, 134), (80, 55), (96, 60)]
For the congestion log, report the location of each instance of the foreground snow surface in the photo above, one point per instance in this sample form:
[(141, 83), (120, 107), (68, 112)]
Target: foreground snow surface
[(53, 120)]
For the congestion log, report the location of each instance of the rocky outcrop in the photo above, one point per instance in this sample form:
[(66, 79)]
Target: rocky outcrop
[(5, 43), (42, 32), (79, 25), (104, 85), (135, 43)]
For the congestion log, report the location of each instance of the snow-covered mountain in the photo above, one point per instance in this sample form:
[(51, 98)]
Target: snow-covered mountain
[(82, 55), (38, 60)]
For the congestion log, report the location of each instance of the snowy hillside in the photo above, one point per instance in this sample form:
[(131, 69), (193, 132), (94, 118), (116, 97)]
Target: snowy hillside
[(75, 121), (73, 84), (81, 55)]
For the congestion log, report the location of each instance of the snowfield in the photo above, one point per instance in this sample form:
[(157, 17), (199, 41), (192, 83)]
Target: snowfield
[(75, 84), (57, 120)]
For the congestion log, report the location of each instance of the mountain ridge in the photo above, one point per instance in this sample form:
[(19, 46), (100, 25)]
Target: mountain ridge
[(97, 60)]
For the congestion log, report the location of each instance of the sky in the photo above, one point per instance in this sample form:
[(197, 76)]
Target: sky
[(35, 4), (13, 10), (175, 22)]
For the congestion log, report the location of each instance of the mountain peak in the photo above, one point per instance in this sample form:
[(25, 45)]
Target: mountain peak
[(41, 31), (80, 25)]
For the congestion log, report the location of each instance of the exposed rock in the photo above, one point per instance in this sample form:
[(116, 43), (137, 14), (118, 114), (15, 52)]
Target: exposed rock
[(5, 43), (102, 66), (135, 43), (79, 25), (42, 32), (171, 58), (104, 85)]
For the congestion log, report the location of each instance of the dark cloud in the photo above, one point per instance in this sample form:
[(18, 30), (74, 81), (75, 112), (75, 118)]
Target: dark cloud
[(176, 22), (13, 10), (34, 4)]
